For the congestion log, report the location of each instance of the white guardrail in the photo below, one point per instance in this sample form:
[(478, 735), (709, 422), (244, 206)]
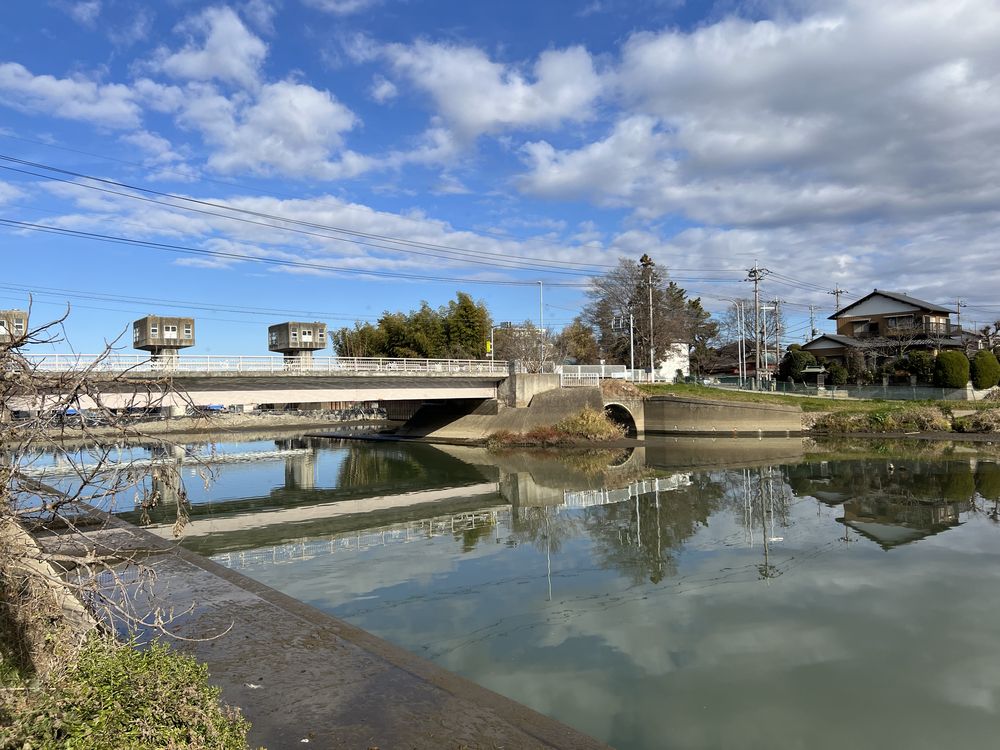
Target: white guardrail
[(206, 364)]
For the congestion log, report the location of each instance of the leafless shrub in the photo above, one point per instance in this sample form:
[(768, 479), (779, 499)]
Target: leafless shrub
[(65, 463)]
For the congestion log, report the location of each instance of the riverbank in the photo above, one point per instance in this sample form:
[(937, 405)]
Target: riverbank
[(301, 676)]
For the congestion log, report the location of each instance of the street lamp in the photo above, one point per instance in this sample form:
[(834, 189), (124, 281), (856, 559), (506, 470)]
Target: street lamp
[(505, 325), (647, 264)]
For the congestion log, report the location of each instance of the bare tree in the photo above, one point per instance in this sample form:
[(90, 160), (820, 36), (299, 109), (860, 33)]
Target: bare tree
[(526, 344), (65, 464)]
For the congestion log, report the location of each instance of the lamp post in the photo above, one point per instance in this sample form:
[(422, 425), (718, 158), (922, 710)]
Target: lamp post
[(506, 324)]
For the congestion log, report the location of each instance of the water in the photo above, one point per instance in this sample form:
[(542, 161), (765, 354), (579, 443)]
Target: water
[(692, 594)]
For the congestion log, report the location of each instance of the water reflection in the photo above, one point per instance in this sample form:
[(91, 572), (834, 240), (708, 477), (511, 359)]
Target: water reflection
[(694, 593)]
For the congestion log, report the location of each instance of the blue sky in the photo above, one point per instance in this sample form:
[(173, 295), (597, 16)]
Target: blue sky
[(486, 147)]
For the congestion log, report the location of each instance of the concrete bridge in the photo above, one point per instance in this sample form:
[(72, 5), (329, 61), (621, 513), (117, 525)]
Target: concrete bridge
[(441, 398), (139, 382)]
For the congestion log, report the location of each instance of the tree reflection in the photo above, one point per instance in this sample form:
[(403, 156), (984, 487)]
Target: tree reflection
[(642, 536)]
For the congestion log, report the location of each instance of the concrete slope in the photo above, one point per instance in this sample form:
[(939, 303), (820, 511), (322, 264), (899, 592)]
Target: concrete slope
[(545, 409)]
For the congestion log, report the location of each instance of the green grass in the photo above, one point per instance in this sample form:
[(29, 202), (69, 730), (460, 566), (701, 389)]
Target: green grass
[(115, 697), (807, 403)]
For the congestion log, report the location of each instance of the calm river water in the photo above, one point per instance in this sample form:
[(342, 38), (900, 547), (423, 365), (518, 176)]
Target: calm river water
[(689, 594)]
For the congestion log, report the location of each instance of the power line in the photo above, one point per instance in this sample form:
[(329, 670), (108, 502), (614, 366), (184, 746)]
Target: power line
[(184, 249)]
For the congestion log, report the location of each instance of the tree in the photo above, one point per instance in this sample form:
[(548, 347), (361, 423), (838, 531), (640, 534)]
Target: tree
[(794, 362), (921, 365), (951, 370), (838, 373), (458, 330), (643, 291), (525, 343), (466, 326), (577, 342), (985, 370), (735, 326)]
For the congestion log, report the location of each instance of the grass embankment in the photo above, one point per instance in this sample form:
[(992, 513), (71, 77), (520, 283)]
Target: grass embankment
[(589, 426), (62, 688), (859, 415), (114, 697)]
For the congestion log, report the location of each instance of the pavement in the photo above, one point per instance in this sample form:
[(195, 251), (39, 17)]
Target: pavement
[(306, 679)]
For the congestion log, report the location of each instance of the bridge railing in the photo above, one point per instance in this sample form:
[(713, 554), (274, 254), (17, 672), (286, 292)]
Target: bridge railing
[(210, 364)]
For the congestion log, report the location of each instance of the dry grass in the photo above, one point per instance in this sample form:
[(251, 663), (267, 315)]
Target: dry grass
[(906, 419), (589, 426)]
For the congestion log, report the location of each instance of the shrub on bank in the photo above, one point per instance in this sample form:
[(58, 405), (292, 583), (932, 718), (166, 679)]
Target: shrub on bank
[(589, 425), (951, 370), (114, 697), (909, 419), (987, 420), (985, 370)]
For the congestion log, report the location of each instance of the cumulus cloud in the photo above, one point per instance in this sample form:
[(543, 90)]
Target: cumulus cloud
[(289, 128), (842, 114), (220, 47), (110, 105), (476, 95)]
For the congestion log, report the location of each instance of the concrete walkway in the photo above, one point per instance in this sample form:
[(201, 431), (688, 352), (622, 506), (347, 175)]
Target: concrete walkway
[(299, 674)]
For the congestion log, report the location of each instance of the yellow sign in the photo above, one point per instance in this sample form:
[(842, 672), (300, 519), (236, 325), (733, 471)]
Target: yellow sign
[(489, 346)]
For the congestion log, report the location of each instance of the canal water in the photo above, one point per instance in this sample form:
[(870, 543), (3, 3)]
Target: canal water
[(687, 594)]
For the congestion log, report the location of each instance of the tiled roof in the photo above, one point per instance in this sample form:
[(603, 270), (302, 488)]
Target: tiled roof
[(904, 298)]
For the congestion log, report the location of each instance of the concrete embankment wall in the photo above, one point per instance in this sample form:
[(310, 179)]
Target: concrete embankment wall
[(545, 408), (670, 414)]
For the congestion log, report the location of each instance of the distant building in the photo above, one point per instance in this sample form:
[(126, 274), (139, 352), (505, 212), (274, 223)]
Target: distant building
[(13, 325), (163, 337), (297, 340), (676, 361)]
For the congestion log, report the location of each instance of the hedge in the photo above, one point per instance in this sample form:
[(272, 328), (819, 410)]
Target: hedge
[(985, 370), (951, 370)]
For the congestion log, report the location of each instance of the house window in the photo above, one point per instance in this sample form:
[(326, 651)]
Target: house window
[(272, 338), (187, 330), (295, 335), (899, 323), (863, 328), (19, 325), (135, 335), (307, 334), (169, 332), (322, 334)]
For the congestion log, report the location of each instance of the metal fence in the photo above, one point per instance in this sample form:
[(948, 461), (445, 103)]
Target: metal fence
[(884, 392), (211, 364), (570, 380)]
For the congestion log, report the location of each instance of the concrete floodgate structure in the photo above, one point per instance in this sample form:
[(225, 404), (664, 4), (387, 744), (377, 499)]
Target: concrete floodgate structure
[(300, 675)]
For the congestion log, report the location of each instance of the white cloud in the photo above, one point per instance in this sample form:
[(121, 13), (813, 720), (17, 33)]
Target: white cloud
[(843, 114), (476, 95), (133, 29), (341, 7), (383, 89), (220, 47), (289, 128), (9, 192), (110, 105), (85, 12)]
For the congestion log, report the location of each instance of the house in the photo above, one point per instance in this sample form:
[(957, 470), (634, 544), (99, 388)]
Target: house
[(884, 324)]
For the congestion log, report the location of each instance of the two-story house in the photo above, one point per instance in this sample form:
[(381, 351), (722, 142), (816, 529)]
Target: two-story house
[(887, 324)]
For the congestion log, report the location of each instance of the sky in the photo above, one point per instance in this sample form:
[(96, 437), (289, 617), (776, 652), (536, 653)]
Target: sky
[(257, 161)]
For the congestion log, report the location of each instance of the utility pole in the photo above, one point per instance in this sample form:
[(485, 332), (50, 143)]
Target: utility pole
[(958, 311), (837, 291), (647, 264), (755, 275), (777, 337), (812, 320)]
